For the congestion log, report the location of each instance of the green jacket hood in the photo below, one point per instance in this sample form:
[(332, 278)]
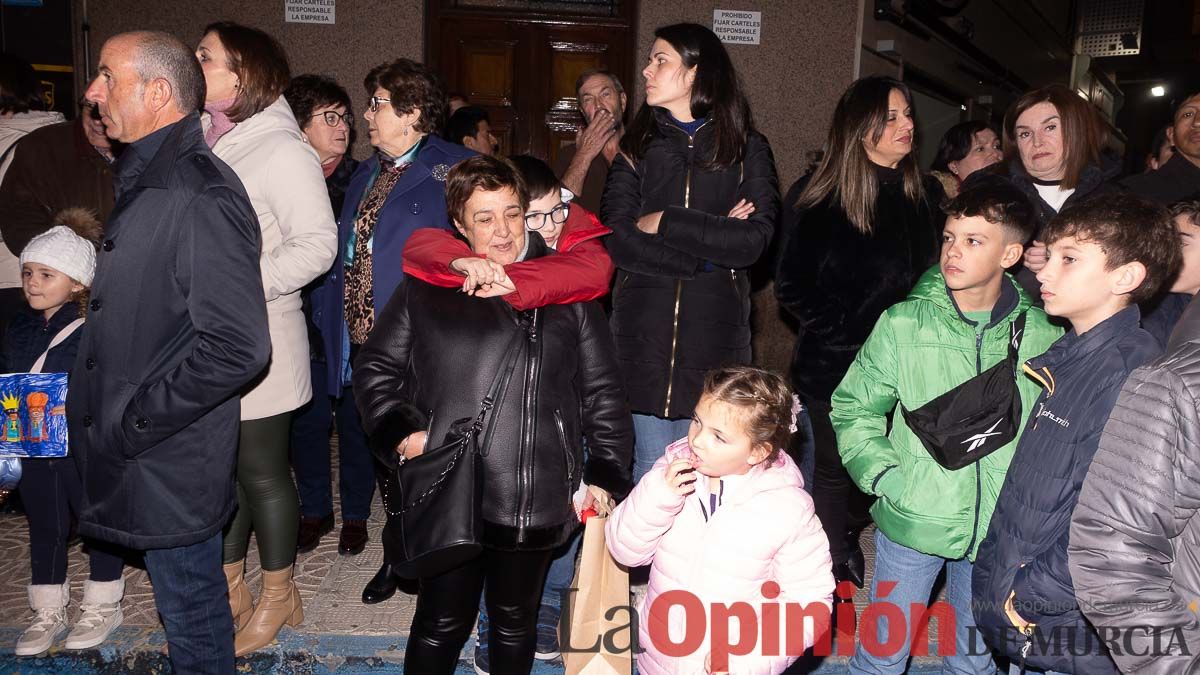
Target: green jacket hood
[(931, 287)]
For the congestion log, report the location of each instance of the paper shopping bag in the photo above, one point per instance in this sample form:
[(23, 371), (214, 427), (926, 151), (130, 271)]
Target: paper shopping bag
[(599, 615)]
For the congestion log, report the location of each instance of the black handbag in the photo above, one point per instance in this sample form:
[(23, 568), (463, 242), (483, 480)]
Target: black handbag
[(976, 418), (434, 501)]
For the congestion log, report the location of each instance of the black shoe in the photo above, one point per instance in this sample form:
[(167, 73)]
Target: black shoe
[(381, 586), (353, 538), (311, 531), (842, 572)]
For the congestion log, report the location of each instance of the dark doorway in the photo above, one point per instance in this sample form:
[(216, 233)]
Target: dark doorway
[(519, 61)]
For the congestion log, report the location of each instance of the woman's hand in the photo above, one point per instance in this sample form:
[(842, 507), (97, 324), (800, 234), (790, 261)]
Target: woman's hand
[(413, 445), (479, 273), (1036, 256), (598, 498), (741, 210), (649, 222), (681, 477)]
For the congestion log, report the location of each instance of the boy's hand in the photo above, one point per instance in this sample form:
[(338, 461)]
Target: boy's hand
[(681, 477), (1036, 256), (495, 289), (479, 272)]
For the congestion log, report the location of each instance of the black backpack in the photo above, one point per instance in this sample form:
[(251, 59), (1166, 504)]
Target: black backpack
[(976, 418)]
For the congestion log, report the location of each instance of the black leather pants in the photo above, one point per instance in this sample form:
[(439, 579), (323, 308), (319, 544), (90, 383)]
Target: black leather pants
[(447, 605)]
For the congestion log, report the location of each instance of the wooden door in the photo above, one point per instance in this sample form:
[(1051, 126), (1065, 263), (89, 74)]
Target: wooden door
[(520, 63)]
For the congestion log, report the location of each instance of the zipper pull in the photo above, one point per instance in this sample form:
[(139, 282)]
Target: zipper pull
[(1028, 632)]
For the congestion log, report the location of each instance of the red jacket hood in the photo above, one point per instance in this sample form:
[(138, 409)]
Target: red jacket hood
[(582, 225)]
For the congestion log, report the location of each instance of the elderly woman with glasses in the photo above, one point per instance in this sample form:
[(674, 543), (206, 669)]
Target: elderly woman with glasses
[(322, 109), (433, 357), (400, 189)]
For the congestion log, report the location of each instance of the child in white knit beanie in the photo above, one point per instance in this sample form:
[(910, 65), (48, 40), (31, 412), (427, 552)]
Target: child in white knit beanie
[(57, 267)]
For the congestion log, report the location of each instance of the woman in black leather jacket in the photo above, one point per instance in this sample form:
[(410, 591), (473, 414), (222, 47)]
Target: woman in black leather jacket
[(692, 201), (430, 360)]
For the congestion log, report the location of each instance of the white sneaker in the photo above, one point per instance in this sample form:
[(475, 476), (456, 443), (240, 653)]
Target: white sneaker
[(49, 603), (100, 616)]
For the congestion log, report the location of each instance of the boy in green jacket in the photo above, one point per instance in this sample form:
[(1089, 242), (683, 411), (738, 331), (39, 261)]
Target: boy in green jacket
[(954, 325)]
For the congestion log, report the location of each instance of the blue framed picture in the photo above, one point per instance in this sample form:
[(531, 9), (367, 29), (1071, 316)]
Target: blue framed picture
[(35, 415)]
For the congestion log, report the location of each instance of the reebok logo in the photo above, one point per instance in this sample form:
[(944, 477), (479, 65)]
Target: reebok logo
[(979, 439)]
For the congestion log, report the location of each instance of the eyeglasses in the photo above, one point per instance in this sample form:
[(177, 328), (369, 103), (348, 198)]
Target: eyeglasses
[(536, 221), (332, 118), (374, 101)]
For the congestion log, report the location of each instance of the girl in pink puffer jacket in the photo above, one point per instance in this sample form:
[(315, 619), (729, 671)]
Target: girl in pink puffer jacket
[(723, 517)]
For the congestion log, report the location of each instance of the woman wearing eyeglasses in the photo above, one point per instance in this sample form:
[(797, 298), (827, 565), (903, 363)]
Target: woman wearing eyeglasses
[(580, 271), (250, 126), (322, 109), (400, 189)]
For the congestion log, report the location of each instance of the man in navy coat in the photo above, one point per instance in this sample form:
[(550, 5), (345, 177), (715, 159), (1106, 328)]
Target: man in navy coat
[(176, 326)]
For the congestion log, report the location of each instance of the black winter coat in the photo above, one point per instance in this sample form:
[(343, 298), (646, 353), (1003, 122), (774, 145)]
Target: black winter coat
[(1025, 550), (28, 335), (429, 362), (1176, 180), (836, 282), (336, 183), (176, 327), (681, 300)]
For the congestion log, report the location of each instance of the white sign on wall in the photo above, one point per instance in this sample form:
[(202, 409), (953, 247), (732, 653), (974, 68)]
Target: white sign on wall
[(309, 11), (737, 27)]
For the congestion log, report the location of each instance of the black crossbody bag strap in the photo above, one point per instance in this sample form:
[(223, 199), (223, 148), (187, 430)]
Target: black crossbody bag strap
[(1015, 335)]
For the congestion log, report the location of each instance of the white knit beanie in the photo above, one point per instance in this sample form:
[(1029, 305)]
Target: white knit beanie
[(62, 249)]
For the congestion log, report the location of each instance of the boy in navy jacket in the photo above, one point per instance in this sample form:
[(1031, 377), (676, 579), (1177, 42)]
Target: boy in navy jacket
[(1106, 254)]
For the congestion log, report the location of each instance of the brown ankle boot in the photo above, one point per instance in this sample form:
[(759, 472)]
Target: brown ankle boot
[(279, 603), (240, 602)]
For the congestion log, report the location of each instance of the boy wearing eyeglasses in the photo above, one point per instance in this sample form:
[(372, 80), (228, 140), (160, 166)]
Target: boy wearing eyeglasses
[(581, 270)]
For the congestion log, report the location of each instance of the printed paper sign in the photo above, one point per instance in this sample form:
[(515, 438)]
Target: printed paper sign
[(737, 27), (309, 11), (35, 415)]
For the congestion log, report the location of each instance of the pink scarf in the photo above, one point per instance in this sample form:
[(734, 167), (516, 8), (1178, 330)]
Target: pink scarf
[(221, 124)]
